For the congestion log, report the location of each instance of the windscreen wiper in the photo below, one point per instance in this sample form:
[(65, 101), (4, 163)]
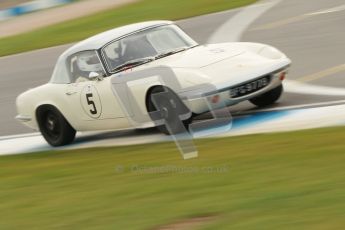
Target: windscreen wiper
[(171, 52), (133, 63)]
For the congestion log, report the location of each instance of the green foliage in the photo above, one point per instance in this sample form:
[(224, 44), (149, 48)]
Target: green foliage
[(273, 181), (81, 28)]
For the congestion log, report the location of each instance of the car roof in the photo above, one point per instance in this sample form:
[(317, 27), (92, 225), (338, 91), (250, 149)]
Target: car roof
[(99, 40)]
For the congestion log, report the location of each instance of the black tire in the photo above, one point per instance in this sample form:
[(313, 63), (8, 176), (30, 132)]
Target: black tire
[(54, 127), (169, 105), (268, 98)]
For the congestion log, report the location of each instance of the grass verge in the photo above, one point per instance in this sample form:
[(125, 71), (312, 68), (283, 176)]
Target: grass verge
[(272, 181), (81, 28)]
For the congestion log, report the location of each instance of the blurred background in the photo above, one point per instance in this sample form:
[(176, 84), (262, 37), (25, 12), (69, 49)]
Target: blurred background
[(285, 180)]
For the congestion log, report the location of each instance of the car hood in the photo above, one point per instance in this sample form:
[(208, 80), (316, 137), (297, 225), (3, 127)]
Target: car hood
[(202, 56), (223, 64)]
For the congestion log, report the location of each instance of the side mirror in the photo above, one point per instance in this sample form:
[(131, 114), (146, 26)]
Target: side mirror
[(95, 76)]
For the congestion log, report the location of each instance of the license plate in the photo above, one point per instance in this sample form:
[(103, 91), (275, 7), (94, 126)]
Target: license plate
[(250, 87)]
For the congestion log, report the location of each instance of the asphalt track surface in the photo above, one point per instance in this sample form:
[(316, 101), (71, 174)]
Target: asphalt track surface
[(310, 32)]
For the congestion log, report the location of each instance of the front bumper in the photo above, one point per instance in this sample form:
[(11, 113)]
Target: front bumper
[(199, 102)]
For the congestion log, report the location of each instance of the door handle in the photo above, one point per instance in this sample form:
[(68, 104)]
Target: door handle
[(71, 93)]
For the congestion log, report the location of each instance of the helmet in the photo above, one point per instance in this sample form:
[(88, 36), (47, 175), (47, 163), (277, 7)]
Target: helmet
[(89, 62)]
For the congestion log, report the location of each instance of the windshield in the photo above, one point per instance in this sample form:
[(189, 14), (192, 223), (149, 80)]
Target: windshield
[(145, 46)]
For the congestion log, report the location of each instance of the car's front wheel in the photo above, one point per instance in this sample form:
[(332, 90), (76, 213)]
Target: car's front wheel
[(269, 97), (170, 109), (54, 127)]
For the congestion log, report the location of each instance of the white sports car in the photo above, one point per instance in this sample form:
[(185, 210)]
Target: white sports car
[(136, 75)]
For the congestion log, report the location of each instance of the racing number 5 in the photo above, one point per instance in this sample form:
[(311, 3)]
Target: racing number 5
[(92, 103)]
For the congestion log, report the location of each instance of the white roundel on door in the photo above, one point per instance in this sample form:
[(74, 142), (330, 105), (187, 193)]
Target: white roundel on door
[(91, 101)]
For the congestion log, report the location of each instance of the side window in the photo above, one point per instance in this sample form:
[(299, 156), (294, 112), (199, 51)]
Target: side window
[(81, 64)]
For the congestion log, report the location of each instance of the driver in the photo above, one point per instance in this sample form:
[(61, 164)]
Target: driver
[(87, 62)]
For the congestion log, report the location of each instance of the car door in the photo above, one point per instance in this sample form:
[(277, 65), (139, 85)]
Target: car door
[(94, 100), (90, 99)]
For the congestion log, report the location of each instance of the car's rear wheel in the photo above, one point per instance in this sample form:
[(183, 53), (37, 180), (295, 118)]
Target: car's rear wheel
[(54, 127), (269, 97), (170, 107)]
